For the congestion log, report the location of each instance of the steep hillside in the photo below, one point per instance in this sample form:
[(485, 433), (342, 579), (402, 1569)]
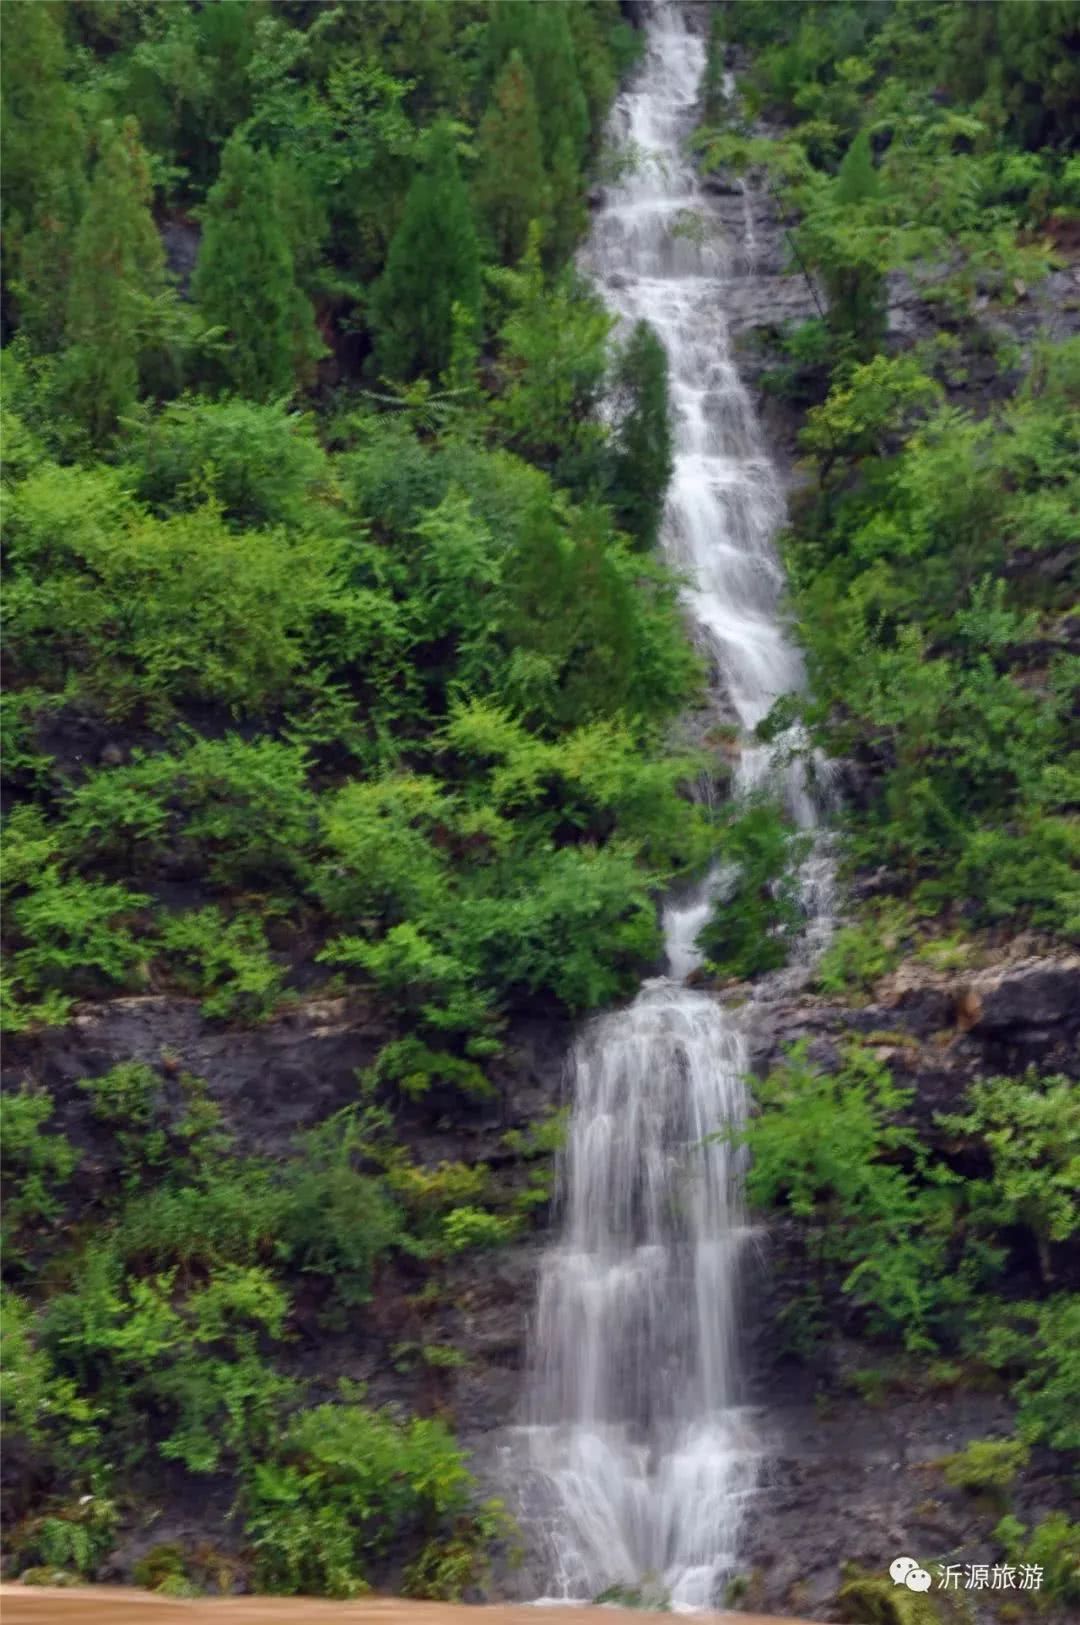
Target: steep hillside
[(346, 719)]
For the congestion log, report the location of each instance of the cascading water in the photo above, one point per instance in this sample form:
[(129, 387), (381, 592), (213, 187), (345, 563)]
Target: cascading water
[(634, 1430)]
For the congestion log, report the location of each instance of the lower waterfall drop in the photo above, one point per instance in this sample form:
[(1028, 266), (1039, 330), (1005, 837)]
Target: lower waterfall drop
[(634, 1429)]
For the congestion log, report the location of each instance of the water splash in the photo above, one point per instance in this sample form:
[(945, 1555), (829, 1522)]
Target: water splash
[(634, 1428)]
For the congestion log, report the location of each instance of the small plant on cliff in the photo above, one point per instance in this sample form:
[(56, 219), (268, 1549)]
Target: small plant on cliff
[(1031, 1130), (986, 1464), (36, 1164), (757, 916), (1037, 1345), (1053, 1546)]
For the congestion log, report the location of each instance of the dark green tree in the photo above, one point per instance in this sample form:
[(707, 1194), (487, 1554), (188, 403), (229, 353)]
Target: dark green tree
[(43, 165), (854, 283), (433, 266), (245, 280), (642, 462), (509, 186), (543, 35), (117, 284)]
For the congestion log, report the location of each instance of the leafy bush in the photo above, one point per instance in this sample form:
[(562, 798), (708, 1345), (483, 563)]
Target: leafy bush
[(234, 1215), (1052, 1546), (242, 805), (127, 1099), (828, 1149), (1038, 1345), (348, 1482), (226, 961), (339, 1219), (986, 1464), (71, 933), (45, 1409), (157, 612), (184, 1363), (466, 1227), (72, 1539), (416, 1069), (861, 953), (757, 915), (1031, 1130), (262, 464), (35, 1164)]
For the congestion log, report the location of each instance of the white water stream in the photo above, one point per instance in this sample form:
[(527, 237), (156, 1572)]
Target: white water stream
[(633, 1421)]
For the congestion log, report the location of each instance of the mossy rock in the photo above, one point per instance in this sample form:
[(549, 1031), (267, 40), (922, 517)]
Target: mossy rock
[(164, 1569), (43, 1575)]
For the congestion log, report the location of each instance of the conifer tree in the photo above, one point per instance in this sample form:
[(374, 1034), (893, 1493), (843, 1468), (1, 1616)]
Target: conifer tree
[(118, 273), (43, 167), (542, 33), (509, 186), (857, 180), (643, 451), (433, 265), (245, 279), (566, 218), (854, 283)]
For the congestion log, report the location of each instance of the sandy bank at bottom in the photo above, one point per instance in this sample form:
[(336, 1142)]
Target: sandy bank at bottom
[(120, 1605)]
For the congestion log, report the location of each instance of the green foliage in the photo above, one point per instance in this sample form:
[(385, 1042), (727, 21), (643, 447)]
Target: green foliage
[(986, 1464), (509, 186), (416, 1069), (433, 266), (70, 1542), (152, 613), (828, 1149), (1051, 1545), (127, 1099), (262, 464), (244, 805), (553, 362), (466, 1227), (117, 292), (73, 934), (36, 1164), (757, 915), (164, 1569), (1038, 1344), (917, 595), (859, 954), (245, 280), (642, 460), (227, 961), (349, 682), (41, 1408), (339, 1220), (878, 1601), (43, 163), (189, 1359), (347, 1482), (917, 646), (889, 1224), (1031, 1130)]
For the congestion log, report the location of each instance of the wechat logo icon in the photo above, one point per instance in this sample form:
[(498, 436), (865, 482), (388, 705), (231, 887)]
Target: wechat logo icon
[(904, 1571)]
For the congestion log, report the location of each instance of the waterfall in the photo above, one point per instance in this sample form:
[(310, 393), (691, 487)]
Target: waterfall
[(633, 1422)]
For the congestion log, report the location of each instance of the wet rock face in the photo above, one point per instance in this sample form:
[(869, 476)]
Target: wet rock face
[(276, 1080), (941, 1030), (850, 1478), (851, 1481)]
